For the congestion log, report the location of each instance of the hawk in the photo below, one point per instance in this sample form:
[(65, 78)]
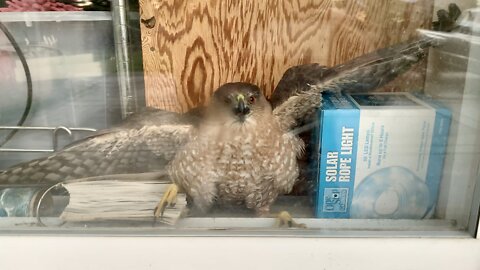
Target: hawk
[(241, 148), (245, 148), (241, 152)]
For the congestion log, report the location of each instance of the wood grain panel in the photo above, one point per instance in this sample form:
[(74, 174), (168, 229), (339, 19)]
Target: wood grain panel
[(197, 45)]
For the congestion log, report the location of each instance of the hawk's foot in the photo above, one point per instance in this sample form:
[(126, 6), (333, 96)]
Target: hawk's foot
[(285, 220), (169, 199)]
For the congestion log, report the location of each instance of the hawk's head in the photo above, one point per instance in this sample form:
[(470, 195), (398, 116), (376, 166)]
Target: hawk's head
[(239, 102)]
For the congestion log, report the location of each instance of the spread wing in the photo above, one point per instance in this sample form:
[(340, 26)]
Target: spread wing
[(298, 95), (299, 92), (146, 142)]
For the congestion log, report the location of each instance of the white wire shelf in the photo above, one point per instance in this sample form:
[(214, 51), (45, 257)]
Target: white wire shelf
[(55, 16)]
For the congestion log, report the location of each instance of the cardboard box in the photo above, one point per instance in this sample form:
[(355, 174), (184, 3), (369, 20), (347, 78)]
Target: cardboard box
[(379, 155)]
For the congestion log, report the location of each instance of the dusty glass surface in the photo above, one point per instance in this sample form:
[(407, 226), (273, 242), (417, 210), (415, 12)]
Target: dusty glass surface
[(338, 118)]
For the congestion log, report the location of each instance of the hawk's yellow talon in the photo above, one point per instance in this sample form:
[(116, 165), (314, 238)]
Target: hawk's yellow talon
[(169, 199), (285, 220)]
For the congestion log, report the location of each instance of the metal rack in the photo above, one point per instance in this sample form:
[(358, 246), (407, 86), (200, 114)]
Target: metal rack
[(54, 133)]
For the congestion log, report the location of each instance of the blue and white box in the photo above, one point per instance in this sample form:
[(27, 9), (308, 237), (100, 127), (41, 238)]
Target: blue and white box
[(379, 155)]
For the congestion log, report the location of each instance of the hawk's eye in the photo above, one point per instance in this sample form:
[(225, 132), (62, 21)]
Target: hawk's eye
[(251, 99), (226, 100)]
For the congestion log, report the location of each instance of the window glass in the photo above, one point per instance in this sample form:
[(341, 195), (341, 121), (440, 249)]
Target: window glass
[(311, 118)]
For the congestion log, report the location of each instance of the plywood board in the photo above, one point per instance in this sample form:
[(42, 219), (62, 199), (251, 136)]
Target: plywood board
[(190, 47)]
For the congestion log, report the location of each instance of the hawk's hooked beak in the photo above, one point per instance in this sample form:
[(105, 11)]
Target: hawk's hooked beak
[(242, 109)]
